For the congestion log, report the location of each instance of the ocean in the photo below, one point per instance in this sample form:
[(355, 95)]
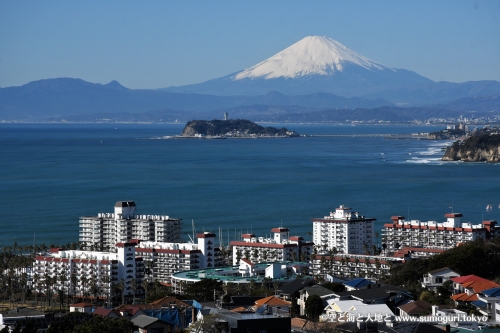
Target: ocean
[(51, 174)]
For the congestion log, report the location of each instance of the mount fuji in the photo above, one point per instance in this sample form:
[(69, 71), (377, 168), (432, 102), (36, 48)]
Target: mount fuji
[(313, 64)]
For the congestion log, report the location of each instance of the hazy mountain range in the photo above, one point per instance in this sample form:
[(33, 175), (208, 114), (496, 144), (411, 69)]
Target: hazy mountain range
[(315, 78)]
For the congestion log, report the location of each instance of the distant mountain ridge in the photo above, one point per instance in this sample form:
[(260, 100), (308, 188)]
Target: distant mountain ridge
[(321, 64), (315, 77), (70, 97)]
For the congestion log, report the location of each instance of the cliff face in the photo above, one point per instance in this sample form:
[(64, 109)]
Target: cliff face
[(480, 148), (232, 127)]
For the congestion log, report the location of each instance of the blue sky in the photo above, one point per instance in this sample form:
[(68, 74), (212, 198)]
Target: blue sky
[(155, 44)]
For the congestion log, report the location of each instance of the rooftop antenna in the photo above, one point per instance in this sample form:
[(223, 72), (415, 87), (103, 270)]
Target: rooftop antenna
[(451, 207), (409, 213)]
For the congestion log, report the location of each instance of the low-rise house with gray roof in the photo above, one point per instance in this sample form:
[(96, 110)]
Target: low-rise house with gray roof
[(358, 283), (314, 290), (435, 279), (147, 324), (380, 294)]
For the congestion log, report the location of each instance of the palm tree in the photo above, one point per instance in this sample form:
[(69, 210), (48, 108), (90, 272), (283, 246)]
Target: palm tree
[(48, 286), (84, 280), (150, 268), (73, 280), (121, 287), (23, 283), (36, 279), (106, 285), (255, 255), (63, 278), (133, 286), (238, 256), (145, 286), (247, 254)]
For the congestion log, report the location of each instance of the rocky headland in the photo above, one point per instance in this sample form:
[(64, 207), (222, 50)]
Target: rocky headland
[(477, 148), (233, 128)]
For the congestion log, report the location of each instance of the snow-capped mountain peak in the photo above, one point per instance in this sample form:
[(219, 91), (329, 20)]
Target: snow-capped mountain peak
[(313, 55)]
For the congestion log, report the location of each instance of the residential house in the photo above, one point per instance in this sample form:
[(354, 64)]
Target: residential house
[(270, 302), (241, 302), (343, 309), (107, 313), (307, 326), (415, 309), (147, 324), (81, 307), (392, 296), (435, 279), (488, 303), (466, 288), (252, 322), (357, 284), (314, 290)]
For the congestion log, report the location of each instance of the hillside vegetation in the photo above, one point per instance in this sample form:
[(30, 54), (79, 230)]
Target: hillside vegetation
[(477, 148), (476, 257)]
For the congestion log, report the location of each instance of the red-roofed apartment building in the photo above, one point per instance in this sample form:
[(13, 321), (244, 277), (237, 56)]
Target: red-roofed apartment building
[(103, 268), (432, 234), (281, 247), (168, 258)]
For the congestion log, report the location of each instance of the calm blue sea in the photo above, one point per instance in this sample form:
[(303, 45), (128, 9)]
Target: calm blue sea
[(51, 174)]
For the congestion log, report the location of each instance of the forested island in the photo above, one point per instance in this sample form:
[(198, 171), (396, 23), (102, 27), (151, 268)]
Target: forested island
[(233, 128)]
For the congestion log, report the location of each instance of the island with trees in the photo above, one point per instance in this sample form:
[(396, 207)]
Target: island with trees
[(233, 128)]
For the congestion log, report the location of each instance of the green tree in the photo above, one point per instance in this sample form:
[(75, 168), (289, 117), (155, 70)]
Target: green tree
[(238, 256), (203, 290), (314, 307)]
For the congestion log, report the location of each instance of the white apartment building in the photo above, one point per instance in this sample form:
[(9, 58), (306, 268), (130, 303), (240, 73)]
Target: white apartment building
[(346, 231), (432, 234), (166, 259), (281, 247), (351, 266), (107, 229), (80, 273)]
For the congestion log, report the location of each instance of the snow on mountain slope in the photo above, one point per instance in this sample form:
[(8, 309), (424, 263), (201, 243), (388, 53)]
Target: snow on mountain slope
[(313, 55)]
